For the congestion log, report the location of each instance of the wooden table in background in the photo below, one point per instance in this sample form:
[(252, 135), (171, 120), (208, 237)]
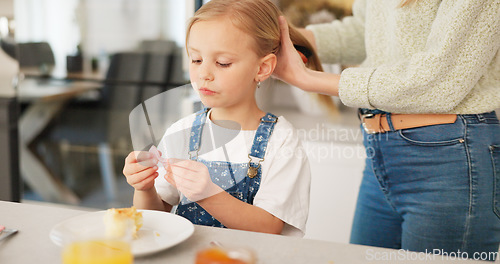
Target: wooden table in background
[(45, 100)]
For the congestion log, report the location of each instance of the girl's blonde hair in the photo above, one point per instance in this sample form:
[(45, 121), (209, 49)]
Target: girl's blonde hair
[(259, 19)]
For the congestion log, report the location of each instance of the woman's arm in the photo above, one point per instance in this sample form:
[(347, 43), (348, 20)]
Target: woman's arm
[(341, 41), (457, 52), (292, 70), (336, 42), (442, 69)]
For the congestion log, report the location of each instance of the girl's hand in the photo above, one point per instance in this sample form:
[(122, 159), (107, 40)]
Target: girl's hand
[(192, 179), (140, 170), (290, 65), (157, 155)]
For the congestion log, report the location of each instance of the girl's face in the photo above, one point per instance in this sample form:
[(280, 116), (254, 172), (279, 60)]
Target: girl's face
[(224, 67)]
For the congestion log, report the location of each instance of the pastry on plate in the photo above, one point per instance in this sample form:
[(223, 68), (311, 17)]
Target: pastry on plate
[(122, 222)]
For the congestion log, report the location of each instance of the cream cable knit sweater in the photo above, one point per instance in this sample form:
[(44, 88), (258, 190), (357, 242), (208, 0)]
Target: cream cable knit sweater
[(437, 56)]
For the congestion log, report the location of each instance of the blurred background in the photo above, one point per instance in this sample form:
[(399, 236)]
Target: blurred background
[(73, 70)]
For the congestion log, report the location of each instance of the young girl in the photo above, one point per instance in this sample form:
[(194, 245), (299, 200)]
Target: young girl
[(258, 181)]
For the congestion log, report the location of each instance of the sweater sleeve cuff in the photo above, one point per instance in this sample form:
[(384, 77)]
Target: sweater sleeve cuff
[(353, 87)]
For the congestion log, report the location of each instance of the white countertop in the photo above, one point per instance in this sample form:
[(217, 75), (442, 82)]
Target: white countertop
[(33, 245)]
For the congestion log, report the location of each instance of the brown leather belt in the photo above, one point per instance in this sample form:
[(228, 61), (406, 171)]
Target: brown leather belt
[(377, 123)]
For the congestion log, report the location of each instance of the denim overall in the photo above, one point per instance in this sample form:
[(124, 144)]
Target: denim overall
[(237, 179)]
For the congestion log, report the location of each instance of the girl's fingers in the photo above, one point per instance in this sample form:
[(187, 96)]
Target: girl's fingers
[(169, 176), (143, 157), (132, 157), (140, 176), (182, 183), (170, 179), (176, 161), (133, 168), (186, 174), (138, 156), (146, 183), (146, 159), (187, 165), (138, 161)]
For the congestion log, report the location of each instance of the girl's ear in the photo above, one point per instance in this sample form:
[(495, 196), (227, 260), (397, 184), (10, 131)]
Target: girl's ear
[(266, 67)]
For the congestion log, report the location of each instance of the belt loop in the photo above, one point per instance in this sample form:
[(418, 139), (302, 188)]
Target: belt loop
[(389, 121), (481, 118), (360, 114)]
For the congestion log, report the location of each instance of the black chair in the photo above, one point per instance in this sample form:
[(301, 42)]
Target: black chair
[(104, 124), (157, 75), (9, 46), (160, 59), (36, 55)]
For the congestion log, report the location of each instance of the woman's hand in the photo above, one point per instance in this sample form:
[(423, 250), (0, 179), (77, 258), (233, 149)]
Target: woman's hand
[(292, 70), (140, 170), (290, 66), (192, 179)]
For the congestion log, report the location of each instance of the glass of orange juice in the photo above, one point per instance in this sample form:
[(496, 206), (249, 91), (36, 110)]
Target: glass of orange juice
[(224, 255), (97, 251)]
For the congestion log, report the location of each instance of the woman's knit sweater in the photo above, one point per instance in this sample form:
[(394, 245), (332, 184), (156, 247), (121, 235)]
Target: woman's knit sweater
[(435, 56)]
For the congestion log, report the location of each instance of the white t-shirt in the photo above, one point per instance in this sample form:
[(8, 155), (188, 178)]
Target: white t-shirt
[(286, 176)]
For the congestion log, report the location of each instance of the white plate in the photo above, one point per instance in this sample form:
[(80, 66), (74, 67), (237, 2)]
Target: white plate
[(160, 230)]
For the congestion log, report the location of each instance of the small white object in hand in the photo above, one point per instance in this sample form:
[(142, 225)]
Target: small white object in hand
[(156, 153)]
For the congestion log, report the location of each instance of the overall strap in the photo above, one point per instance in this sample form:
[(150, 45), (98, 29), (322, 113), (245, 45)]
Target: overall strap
[(196, 131), (262, 135)]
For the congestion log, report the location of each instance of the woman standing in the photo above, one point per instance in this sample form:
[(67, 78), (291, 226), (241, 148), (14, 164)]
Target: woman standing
[(427, 87)]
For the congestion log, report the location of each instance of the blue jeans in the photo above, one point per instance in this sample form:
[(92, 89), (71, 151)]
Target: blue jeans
[(433, 189)]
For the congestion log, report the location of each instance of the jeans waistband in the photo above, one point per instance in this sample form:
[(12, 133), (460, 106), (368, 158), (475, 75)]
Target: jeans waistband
[(370, 111), (488, 118)]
